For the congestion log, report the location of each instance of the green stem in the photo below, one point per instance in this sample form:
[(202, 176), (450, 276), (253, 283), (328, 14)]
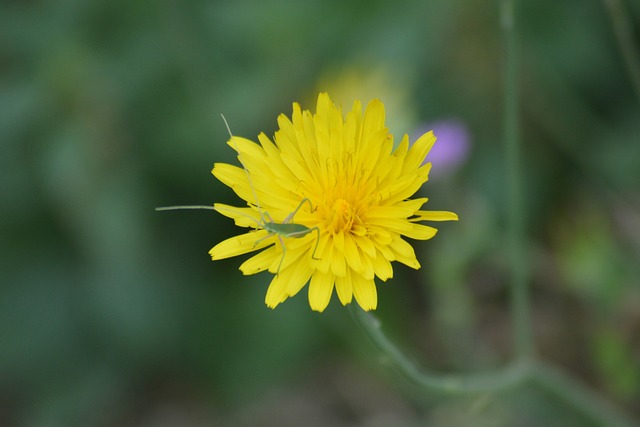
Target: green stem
[(524, 369), (522, 330), (569, 391), (518, 371), (495, 381), (624, 36), (551, 380)]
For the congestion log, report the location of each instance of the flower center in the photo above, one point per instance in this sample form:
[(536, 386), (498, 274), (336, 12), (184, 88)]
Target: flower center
[(341, 217)]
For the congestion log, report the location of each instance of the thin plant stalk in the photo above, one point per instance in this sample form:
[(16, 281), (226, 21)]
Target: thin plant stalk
[(625, 38), (452, 384), (569, 391), (521, 368), (525, 369), (520, 307)]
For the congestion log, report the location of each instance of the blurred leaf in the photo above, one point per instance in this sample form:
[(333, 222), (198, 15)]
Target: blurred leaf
[(617, 366)]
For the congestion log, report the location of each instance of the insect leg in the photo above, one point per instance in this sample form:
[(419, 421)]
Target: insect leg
[(263, 238), (313, 255), (304, 233), (292, 214), (284, 252), (268, 217)]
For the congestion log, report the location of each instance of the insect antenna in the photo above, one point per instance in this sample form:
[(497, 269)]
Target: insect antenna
[(173, 208), (246, 171), (253, 191)]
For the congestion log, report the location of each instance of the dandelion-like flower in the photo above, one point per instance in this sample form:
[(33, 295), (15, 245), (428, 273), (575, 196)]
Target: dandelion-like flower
[(349, 191)]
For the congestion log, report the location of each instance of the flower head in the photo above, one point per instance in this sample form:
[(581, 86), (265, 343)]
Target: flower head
[(340, 181)]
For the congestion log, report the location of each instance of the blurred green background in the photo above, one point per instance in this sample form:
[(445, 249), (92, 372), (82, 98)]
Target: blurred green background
[(112, 314)]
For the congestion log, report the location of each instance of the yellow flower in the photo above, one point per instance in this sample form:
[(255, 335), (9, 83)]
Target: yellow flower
[(359, 208)]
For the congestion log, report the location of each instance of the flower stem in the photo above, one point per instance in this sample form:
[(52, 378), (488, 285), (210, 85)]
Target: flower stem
[(521, 372), (624, 36), (581, 399), (522, 329), (525, 369), (500, 380)]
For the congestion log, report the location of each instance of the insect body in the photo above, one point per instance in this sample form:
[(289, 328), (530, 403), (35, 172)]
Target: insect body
[(287, 229), (282, 230)]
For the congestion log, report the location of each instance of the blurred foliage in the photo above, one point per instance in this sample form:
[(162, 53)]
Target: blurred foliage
[(113, 314)]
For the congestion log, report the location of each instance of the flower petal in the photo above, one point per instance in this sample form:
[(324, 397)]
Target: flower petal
[(365, 292), (261, 261), (320, 290), (352, 254), (434, 216), (344, 289), (404, 253), (382, 267), (277, 292), (241, 244), (243, 217), (418, 151)]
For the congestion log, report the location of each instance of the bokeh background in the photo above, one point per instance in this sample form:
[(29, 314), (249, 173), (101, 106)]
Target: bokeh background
[(112, 314)]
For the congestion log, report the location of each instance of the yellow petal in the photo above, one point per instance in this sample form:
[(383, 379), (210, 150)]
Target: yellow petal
[(287, 255), (235, 178), (277, 292), (369, 156), (418, 151), (320, 290), (260, 262), (365, 292), (344, 289), (338, 241), (434, 216), (404, 253), (380, 236), (407, 228), (414, 204), (421, 232), (366, 245), (243, 217), (240, 245), (401, 151), (325, 253), (367, 267), (382, 267), (384, 212), (338, 265), (386, 252), (373, 121), (297, 276), (352, 254)]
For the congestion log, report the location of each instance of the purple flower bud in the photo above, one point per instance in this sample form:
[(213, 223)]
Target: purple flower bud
[(451, 148)]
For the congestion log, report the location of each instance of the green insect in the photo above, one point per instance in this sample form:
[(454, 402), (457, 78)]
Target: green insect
[(282, 230)]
